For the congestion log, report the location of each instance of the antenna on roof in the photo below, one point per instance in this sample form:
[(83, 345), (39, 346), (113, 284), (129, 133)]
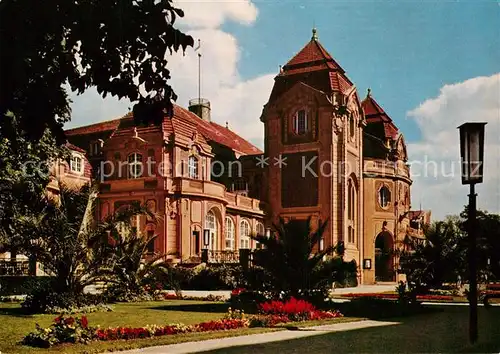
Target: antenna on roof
[(199, 70)]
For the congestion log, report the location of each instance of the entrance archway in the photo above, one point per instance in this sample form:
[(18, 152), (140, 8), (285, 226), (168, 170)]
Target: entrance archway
[(384, 262)]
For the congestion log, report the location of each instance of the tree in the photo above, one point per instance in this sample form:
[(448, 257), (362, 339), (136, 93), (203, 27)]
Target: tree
[(117, 46), (24, 175), (294, 267), (70, 244), (488, 242), (438, 259)]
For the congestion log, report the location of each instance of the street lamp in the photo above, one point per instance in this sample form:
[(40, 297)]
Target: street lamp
[(472, 156)]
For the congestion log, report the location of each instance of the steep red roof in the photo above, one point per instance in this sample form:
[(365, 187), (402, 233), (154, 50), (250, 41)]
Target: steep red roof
[(314, 66), (95, 128), (211, 131), (313, 52), (74, 148), (183, 123), (374, 113)]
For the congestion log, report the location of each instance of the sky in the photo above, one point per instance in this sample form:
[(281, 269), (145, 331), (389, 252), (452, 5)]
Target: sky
[(432, 65)]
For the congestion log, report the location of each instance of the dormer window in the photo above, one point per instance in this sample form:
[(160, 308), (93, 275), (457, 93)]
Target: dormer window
[(300, 125), (76, 164)]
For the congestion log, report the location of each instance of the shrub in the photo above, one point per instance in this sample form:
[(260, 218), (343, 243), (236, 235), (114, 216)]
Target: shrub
[(45, 300), (63, 330), (21, 285), (248, 300)]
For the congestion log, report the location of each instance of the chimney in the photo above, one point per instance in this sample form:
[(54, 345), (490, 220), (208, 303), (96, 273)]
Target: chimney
[(200, 107)]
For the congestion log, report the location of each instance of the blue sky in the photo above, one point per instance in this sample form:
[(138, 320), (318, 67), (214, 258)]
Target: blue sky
[(404, 51)]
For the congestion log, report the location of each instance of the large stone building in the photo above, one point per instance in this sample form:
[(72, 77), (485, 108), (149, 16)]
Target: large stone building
[(331, 156)]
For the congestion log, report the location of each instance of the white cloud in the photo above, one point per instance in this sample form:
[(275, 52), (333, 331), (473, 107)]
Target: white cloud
[(233, 99), (212, 14), (474, 100)]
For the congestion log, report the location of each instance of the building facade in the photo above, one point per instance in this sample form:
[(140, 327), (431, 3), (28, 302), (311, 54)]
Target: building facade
[(330, 156)]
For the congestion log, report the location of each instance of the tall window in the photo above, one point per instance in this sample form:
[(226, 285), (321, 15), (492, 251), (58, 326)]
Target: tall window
[(76, 164), (384, 197), (260, 231), (193, 167), (244, 234), (134, 165), (351, 211), (229, 233), (300, 125), (151, 243), (211, 224), (352, 127)]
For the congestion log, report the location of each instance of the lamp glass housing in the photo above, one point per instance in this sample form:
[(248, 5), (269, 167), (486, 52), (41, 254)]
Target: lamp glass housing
[(472, 152), (206, 237)]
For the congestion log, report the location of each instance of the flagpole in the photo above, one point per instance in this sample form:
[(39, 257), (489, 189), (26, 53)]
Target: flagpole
[(199, 72)]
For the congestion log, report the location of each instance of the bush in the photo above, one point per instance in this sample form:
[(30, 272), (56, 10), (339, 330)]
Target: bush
[(213, 277), (63, 330), (44, 299), (21, 285), (248, 301)]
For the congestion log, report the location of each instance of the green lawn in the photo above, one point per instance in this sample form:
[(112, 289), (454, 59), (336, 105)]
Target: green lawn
[(14, 325), (445, 331)]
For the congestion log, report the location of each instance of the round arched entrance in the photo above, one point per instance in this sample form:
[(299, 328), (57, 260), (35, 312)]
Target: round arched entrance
[(384, 262)]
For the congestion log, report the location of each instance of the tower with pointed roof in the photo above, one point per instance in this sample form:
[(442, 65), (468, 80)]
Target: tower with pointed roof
[(313, 123)]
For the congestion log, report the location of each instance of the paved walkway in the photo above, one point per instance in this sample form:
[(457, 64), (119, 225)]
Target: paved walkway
[(362, 289), (219, 343)]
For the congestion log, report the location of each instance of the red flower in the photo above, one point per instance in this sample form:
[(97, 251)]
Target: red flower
[(58, 319), (237, 291), (69, 321), (84, 321)]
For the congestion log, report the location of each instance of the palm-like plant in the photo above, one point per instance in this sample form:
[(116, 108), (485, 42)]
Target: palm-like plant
[(133, 268), (69, 242), (293, 262), (437, 259)]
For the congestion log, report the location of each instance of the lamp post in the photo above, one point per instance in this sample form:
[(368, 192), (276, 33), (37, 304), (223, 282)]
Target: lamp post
[(472, 156)]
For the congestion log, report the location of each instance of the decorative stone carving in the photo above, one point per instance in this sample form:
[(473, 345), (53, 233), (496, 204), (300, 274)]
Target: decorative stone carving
[(172, 207)]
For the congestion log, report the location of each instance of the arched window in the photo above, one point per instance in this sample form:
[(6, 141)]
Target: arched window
[(244, 234), (229, 233), (193, 167), (351, 211), (211, 224), (134, 165), (384, 196), (300, 125)]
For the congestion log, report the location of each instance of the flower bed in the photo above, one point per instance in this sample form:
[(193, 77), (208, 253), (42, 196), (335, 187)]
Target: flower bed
[(77, 330), (157, 331), (68, 329), (395, 296), (292, 310)]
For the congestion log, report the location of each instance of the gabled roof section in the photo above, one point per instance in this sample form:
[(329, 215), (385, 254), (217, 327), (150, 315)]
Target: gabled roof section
[(375, 114)]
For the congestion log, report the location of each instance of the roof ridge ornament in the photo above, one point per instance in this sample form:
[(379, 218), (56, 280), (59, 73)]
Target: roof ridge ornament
[(314, 34), (369, 92)]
